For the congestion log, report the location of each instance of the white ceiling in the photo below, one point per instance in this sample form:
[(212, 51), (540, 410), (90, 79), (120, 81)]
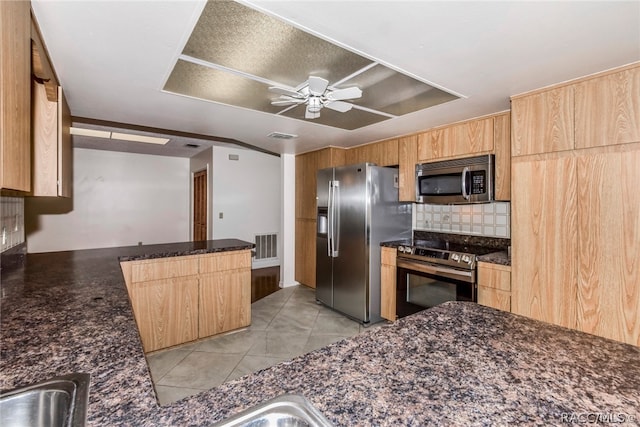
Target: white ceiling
[(114, 57)]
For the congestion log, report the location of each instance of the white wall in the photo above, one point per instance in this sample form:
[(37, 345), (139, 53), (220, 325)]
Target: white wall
[(247, 192), (119, 199)]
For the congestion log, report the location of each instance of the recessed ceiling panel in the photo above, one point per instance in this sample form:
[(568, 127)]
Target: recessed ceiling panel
[(237, 37), (236, 53), (350, 120), (219, 86), (387, 90)]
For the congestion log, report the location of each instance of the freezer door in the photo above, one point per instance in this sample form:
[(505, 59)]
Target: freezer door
[(351, 266), (324, 271)]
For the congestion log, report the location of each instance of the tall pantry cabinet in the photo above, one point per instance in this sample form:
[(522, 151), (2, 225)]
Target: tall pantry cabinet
[(575, 209)]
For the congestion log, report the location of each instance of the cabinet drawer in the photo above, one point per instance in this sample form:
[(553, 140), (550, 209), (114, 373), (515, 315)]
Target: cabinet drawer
[(165, 268), (225, 261), (494, 276), (494, 298)]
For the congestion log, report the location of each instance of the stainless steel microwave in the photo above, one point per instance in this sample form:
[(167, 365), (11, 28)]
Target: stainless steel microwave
[(459, 181)]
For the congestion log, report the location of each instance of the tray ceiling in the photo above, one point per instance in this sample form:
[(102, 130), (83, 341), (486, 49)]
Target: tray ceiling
[(236, 53)]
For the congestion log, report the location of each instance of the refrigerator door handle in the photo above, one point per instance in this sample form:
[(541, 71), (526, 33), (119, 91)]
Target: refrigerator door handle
[(330, 219), (335, 206)]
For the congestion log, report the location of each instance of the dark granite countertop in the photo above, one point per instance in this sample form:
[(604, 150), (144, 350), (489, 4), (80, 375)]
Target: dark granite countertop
[(166, 250), (501, 258), (455, 364)]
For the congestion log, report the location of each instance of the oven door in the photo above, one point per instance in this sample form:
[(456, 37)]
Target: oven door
[(423, 285)]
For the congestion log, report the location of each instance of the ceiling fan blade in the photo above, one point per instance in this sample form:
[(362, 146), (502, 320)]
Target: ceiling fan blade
[(285, 91), (285, 102), (347, 93), (340, 106), (311, 115), (317, 85)]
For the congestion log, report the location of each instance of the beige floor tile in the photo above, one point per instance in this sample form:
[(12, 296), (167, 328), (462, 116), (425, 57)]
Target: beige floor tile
[(162, 362), (279, 344), (318, 341), (237, 342), (201, 370), (327, 324)]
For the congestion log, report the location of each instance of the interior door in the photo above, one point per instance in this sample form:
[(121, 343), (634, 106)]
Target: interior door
[(200, 205)]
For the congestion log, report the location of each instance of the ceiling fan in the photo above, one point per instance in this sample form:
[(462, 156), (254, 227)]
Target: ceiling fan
[(316, 94)]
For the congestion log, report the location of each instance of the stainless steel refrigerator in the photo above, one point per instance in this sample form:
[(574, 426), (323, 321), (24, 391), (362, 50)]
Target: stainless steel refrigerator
[(358, 209)]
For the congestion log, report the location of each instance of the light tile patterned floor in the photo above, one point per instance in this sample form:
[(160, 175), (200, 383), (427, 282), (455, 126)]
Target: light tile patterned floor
[(284, 324)]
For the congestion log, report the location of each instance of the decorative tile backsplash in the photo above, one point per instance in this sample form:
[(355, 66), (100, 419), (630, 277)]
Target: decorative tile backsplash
[(482, 219), (12, 222)]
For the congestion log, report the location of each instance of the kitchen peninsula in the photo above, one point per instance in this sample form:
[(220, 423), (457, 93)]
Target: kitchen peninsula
[(455, 364)]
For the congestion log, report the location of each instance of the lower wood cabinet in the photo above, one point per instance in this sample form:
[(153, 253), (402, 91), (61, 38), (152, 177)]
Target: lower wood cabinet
[(494, 286), (388, 283), (180, 299), (166, 311), (225, 302)]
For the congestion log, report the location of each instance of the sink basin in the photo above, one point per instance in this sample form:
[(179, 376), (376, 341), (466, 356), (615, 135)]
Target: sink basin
[(288, 410), (57, 402)]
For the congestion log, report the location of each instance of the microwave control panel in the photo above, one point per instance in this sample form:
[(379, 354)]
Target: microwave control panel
[(478, 182)]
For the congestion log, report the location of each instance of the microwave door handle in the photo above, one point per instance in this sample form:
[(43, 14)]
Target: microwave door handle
[(465, 190)]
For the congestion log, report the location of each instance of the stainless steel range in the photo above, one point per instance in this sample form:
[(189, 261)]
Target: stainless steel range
[(432, 272)]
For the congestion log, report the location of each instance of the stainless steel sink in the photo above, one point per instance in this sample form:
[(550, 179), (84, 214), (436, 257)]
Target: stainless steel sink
[(57, 402), (288, 410)]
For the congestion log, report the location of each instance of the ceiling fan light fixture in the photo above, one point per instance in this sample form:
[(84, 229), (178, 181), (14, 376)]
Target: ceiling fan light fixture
[(315, 104)]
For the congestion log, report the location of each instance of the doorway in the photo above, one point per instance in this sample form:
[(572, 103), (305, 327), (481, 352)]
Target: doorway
[(200, 205)]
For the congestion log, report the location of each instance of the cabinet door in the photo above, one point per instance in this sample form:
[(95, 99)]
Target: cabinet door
[(388, 284), (407, 159), (306, 252), (502, 146), (609, 248), (383, 153), (166, 311), (494, 286), (608, 109), (15, 96), (544, 239), (461, 140), (543, 122), (225, 301)]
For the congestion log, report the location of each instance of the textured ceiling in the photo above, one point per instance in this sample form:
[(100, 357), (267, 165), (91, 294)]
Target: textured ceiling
[(113, 59), (235, 53)]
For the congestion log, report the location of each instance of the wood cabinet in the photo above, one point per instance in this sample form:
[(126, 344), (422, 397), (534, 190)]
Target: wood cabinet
[(609, 244), (542, 122), (224, 293), (383, 153), (15, 96), (407, 159), (388, 283), (307, 166), (462, 139), (575, 213), (52, 149), (494, 285), (544, 239), (180, 299), (502, 151), (607, 109)]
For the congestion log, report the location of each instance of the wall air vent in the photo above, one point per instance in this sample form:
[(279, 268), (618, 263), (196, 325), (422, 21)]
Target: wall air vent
[(281, 135)]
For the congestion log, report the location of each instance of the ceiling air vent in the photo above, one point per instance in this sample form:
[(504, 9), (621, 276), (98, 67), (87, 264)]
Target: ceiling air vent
[(281, 135), (191, 145)]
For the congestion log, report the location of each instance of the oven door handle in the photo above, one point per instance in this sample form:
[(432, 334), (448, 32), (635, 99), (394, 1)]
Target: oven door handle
[(467, 276)]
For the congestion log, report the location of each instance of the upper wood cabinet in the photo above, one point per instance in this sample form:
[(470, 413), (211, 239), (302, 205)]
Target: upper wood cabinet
[(502, 151), (463, 139), (407, 159), (307, 166), (542, 122), (52, 149), (383, 153), (15, 96), (607, 109)]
